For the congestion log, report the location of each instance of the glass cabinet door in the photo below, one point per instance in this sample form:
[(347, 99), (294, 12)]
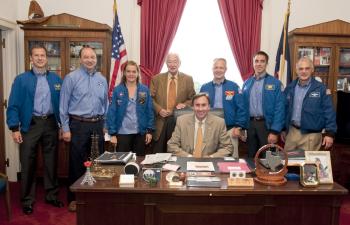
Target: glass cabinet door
[(53, 55), (343, 76), (74, 49), (321, 57)]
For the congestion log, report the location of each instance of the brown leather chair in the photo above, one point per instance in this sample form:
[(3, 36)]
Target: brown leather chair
[(5, 189)]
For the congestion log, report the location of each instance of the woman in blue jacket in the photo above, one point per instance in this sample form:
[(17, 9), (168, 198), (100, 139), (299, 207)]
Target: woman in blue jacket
[(130, 116)]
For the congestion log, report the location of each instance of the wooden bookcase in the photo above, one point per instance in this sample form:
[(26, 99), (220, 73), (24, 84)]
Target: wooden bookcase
[(64, 35), (328, 45)]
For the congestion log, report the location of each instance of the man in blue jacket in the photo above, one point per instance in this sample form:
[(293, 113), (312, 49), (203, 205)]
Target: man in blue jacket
[(33, 118), (225, 94), (309, 110), (264, 99)]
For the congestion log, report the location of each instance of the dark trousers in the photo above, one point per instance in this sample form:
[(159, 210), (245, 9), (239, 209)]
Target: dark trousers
[(256, 137), (160, 145), (80, 148), (44, 132), (131, 142)]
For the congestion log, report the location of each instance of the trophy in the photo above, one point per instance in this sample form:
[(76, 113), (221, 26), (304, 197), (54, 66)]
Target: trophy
[(271, 170)]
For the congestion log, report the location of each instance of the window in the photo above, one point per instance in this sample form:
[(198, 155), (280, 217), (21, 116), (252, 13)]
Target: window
[(200, 38)]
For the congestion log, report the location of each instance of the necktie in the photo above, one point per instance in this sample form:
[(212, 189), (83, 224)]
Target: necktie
[(172, 94), (198, 148)]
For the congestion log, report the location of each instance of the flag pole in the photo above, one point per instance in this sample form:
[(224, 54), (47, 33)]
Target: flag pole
[(281, 72)]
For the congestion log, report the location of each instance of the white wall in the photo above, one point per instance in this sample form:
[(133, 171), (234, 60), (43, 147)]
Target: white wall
[(302, 13)]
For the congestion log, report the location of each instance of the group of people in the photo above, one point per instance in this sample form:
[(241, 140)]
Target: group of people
[(43, 109)]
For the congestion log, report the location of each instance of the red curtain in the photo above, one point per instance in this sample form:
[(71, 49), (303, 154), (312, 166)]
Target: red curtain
[(242, 21), (159, 22)]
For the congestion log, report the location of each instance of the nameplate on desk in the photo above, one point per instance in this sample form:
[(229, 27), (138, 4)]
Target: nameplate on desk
[(126, 180), (240, 182)]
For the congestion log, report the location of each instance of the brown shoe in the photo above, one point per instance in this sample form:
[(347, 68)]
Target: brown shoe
[(72, 207)]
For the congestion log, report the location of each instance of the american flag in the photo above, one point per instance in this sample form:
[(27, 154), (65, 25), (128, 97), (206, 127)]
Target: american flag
[(119, 57)]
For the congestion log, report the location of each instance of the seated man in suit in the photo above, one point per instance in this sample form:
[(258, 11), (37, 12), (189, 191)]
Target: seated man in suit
[(200, 134)]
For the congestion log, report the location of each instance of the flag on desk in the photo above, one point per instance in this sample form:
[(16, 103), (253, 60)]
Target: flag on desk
[(119, 56), (283, 67)]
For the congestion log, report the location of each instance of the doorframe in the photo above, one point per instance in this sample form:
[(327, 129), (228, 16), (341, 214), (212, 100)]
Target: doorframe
[(11, 65), (2, 113)]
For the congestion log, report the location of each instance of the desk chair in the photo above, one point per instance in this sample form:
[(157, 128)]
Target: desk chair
[(5, 189)]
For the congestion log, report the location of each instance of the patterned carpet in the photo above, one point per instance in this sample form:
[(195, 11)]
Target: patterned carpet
[(48, 215)]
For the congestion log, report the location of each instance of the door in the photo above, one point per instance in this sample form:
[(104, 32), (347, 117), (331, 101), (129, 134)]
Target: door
[(2, 107)]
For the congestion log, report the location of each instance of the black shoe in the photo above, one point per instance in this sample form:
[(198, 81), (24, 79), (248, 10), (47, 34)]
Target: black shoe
[(55, 203), (28, 209)]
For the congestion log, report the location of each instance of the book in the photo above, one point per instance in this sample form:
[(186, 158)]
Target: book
[(118, 158), (226, 167), (204, 182)]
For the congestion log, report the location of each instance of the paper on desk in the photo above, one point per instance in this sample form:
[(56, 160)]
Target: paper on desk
[(200, 166), (156, 158), (171, 167)]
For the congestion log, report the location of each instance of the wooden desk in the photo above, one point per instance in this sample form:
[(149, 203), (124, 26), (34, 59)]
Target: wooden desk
[(106, 203)]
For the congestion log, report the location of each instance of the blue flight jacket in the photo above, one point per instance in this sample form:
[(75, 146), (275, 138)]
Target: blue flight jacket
[(21, 102), (117, 109), (273, 102), (232, 101), (317, 111)]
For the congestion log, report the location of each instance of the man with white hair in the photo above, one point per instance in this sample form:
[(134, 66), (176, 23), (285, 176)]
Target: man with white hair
[(309, 110), (170, 90)]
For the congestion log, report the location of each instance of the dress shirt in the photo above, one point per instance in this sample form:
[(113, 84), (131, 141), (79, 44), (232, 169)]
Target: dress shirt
[(169, 80), (218, 95), (299, 95), (196, 125), (130, 123), (42, 97), (83, 94), (255, 98)]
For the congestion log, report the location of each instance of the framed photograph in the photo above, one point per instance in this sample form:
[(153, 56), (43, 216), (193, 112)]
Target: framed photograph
[(341, 84), (309, 176), (323, 161), (306, 52), (344, 57)]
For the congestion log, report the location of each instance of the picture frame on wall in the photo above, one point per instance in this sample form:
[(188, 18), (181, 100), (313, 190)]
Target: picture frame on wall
[(323, 162)]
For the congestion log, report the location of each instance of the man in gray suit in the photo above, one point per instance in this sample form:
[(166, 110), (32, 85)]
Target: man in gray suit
[(200, 134)]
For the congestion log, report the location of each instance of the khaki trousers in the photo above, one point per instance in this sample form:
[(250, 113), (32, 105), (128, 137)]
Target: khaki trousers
[(296, 140), (234, 142)]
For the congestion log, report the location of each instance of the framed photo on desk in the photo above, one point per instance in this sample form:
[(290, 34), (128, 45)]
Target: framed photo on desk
[(323, 162)]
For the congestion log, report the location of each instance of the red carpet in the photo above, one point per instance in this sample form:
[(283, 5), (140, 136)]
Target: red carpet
[(345, 212), (43, 214)]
